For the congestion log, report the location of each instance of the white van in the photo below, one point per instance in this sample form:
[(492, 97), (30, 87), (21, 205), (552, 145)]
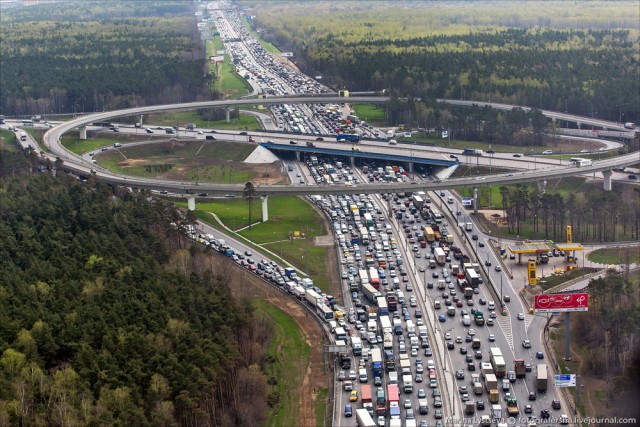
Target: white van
[(393, 142), (491, 305), (437, 304), (363, 377)]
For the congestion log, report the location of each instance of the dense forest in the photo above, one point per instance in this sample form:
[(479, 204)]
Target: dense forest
[(77, 57), (109, 317), (584, 60), (608, 338)]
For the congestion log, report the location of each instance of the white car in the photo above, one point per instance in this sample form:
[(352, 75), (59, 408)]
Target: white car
[(520, 316), (471, 332), (492, 337), (526, 344), (447, 335)]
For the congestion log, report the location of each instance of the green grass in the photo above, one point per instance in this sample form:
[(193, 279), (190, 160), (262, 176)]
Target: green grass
[(286, 362), (551, 281), (371, 113), (228, 82), (9, 141), (219, 173), (244, 122), (620, 255), (79, 146), (321, 407), (490, 197), (286, 214)]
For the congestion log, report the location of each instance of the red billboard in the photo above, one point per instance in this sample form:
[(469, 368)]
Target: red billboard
[(561, 302)]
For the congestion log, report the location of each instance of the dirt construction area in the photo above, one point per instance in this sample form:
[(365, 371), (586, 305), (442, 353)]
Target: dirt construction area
[(192, 160)]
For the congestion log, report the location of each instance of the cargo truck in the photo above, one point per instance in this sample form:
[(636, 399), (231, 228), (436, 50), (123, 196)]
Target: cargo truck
[(439, 256), (478, 317), (364, 419), (490, 382), (376, 362), (472, 277), (496, 412), (385, 323), (388, 341), (520, 368), (313, 298), (392, 301), (389, 361), (356, 346), (405, 364), (469, 407), (512, 407), (407, 383), (541, 377), (365, 392), (381, 404)]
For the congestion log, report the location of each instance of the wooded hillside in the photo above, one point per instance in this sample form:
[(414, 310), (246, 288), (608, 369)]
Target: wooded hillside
[(94, 56), (107, 318)]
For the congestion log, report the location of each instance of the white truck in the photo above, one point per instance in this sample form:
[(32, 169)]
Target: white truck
[(407, 383), (356, 346), (364, 419), (405, 365)]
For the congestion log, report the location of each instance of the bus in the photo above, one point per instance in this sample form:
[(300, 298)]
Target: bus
[(325, 312), (368, 220), (27, 122), (437, 216), (497, 361)]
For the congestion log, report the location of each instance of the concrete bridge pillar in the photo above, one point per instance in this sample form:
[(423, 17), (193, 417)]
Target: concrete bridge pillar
[(607, 179), (475, 200), (83, 132), (542, 186), (191, 203), (410, 167), (265, 208), (140, 120), (297, 155), (352, 161), (227, 112), (579, 125)]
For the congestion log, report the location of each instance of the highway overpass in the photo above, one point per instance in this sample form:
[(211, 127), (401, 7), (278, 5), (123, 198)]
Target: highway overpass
[(76, 164)]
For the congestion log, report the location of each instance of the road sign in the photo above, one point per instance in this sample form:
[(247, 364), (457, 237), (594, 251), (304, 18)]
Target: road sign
[(547, 303), (567, 380), (467, 201)]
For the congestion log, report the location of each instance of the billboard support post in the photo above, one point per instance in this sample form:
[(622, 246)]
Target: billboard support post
[(567, 336)]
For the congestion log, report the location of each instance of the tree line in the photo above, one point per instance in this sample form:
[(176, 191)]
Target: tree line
[(81, 57), (608, 338), (108, 316), (594, 216)]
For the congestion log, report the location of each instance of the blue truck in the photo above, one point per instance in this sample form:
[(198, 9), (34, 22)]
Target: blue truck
[(347, 137)]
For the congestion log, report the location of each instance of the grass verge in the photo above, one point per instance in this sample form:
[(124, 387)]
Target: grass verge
[(621, 255), (321, 407), (558, 279), (286, 215), (8, 140), (371, 113), (285, 367)]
